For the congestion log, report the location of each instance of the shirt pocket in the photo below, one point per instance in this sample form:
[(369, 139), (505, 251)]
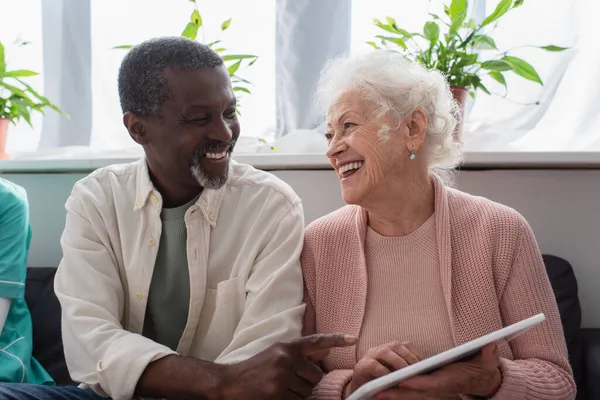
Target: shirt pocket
[(221, 314)]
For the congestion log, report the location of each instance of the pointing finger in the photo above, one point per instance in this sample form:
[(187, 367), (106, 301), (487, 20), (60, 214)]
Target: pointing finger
[(317, 343)]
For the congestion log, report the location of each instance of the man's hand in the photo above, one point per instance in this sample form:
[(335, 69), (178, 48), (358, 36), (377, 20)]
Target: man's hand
[(480, 376), (382, 360), (283, 371)]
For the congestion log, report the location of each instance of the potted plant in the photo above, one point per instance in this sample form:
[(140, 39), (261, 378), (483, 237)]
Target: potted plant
[(455, 53), (232, 61), (17, 100)]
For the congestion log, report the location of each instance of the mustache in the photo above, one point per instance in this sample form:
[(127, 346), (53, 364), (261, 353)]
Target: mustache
[(214, 147)]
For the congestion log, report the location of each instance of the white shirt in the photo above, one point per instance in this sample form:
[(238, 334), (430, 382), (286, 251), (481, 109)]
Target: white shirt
[(244, 243)]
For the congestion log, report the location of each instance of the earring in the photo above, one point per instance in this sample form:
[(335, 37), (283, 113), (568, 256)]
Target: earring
[(412, 154)]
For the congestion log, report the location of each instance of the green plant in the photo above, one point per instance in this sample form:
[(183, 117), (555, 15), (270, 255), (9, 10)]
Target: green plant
[(456, 52), (17, 98), (232, 61)]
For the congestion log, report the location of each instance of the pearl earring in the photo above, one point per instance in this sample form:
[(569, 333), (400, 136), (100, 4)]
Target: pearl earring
[(412, 154)]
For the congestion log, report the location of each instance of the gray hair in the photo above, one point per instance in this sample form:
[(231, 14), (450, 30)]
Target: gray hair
[(143, 87), (394, 85)]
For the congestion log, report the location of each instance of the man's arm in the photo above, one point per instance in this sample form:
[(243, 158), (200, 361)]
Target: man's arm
[(99, 352), (274, 307)]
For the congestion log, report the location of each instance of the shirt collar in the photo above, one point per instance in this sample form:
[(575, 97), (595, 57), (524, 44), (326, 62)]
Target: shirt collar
[(209, 201)]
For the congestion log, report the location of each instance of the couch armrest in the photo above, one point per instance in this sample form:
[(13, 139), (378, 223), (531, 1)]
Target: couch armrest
[(591, 363)]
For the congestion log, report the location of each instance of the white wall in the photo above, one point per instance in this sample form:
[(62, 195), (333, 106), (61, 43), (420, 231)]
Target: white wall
[(562, 206)]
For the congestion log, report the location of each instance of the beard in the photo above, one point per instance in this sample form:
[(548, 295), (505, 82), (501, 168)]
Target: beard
[(204, 178)]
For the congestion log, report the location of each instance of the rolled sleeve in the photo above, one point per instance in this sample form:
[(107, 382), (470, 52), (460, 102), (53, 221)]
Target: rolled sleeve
[(14, 242), (274, 307), (98, 351)]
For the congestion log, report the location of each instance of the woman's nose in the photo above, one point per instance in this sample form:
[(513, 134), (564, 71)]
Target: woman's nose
[(336, 146)]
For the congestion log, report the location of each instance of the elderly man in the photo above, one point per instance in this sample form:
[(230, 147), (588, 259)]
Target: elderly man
[(180, 275)]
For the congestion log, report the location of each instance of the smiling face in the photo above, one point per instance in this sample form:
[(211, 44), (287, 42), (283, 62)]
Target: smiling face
[(191, 142), (369, 153)]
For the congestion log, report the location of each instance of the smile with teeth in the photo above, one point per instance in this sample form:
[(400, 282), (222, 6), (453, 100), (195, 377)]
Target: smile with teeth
[(350, 167), (216, 156)]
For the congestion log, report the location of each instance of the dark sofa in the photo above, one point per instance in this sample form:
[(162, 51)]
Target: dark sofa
[(583, 344)]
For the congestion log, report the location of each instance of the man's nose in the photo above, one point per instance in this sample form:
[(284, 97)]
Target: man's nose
[(221, 131)]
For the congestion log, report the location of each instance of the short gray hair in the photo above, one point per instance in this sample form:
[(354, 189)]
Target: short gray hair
[(143, 87), (392, 84)]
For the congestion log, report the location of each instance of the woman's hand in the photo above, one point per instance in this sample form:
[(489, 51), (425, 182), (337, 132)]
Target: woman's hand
[(382, 360), (480, 376)]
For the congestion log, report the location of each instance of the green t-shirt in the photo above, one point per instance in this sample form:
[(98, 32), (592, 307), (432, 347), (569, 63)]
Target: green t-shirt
[(16, 339), (169, 295)]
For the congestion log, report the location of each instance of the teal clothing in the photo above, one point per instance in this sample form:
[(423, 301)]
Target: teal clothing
[(16, 339), (169, 294)]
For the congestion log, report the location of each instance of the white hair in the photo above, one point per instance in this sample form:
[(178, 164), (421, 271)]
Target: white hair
[(393, 84)]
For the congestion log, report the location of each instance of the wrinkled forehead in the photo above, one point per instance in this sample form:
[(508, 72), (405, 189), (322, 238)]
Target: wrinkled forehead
[(349, 102)]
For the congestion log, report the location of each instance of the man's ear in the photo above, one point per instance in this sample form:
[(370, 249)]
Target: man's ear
[(136, 127)]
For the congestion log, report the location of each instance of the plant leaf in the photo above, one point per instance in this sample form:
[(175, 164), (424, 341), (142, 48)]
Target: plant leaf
[(458, 13), (518, 3), (196, 18), (393, 28), (34, 93), (471, 24), (395, 40), (499, 77), (374, 45), (553, 48), (391, 21), (2, 61), (220, 49), (58, 110), (226, 24), (124, 46), (523, 68), (482, 87), (484, 42), (23, 110), (19, 73), (501, 9), (431, 30), (211, 44), (190, 31), (241, 89), (15, 91), (496, 65), (232, 69), (230, 57)]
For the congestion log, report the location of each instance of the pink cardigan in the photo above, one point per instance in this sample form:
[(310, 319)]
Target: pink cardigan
[(492, 275)]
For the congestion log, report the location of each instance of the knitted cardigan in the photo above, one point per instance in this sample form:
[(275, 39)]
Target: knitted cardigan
[(492, 276)]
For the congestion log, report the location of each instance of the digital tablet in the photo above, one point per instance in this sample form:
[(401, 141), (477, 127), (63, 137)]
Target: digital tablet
[(465, 350)]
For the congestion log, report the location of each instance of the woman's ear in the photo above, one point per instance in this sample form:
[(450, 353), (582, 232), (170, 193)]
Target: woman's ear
[(417, 129), (136, 128)]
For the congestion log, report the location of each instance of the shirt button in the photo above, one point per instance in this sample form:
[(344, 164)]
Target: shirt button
[(139, 296), (212, 217), (139, 202), (151, 242), (154, 199)]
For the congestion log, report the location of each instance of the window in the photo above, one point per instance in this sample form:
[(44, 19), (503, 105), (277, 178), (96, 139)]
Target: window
[(566, 118), (138, 20), (24, 25)]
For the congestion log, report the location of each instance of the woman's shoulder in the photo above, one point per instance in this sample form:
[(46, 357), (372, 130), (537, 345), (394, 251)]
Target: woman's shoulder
[(469, 210), (335, 222)]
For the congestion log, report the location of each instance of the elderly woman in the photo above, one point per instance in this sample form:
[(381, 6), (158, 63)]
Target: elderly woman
[(413, 267)]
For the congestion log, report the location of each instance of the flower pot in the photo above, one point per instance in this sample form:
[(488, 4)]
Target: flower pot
[(460, 95), (3, 134)]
